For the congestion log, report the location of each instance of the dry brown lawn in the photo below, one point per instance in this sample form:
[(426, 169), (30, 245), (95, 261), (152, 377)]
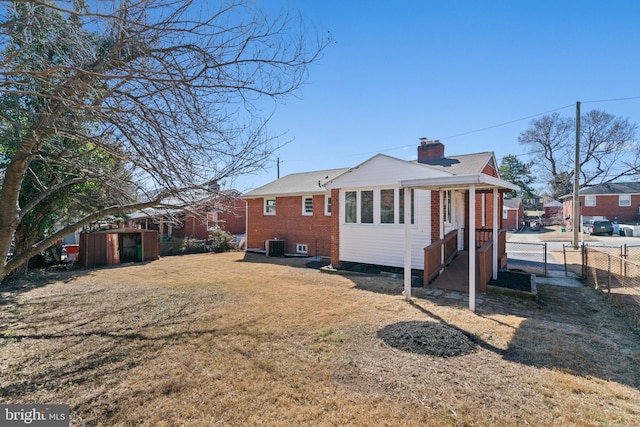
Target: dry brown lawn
[(230, 339)]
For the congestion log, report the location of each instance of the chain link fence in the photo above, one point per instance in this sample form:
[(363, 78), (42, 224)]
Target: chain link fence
[(529, 257), (616, 272)]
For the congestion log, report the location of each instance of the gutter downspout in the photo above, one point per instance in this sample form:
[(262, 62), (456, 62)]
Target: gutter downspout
[(246, 225)]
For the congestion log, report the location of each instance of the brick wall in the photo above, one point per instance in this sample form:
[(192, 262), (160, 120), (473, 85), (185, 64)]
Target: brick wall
[(290, 225), (608, 206), (489, 170), (193, 227), (233, 220), (435, 216), (488, 210), (234, 217)]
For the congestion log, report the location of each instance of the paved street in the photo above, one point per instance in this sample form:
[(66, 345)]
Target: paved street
[(555, 238), (525, 248)]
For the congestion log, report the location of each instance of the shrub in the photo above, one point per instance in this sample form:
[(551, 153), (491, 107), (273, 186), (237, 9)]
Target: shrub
[(221, 241)]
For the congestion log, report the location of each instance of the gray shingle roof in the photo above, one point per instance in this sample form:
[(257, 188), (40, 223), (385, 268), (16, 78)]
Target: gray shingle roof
[(512, 203), (307, 182), (463, 164), (297, 183), (613, 188)]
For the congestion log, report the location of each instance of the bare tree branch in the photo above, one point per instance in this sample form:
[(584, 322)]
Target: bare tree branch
[(173, 93)]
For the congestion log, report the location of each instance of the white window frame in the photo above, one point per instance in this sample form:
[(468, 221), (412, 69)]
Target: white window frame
[(356, 220), (589, 201), (270, 209), (373, 207), (449, 207), (401, 200), (505, 213), (394, 211), (327, 205), (626, 198), (302, 248), (304, 205)]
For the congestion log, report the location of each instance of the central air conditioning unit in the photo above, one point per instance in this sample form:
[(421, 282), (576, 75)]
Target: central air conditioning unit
[(274, 247)]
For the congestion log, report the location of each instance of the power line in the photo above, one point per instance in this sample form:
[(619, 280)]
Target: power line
[(472, 131), (611, 100), (492, 127), (508, 123)]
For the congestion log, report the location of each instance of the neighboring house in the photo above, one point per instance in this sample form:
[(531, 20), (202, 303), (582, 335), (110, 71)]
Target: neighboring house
[(296, 209), (226, 210), (387, 211), (513, 214), (532, 203), (615, 201)]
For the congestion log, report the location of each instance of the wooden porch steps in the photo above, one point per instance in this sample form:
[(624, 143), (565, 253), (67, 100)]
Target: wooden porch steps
[(455, 276)]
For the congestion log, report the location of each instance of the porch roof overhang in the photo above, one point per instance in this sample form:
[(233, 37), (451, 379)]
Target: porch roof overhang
[(473, 183), (480, 181)]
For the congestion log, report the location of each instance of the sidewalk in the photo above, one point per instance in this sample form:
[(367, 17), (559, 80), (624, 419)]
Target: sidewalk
[(558, 278)]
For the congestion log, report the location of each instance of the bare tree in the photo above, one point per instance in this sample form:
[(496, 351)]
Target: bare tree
[(607, 150), (177, 92)]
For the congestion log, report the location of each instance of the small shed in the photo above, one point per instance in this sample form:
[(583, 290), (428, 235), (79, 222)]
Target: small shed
[(117, 245), (513, 213)]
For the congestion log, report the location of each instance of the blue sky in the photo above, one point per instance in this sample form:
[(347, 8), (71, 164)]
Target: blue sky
[(454, 71)]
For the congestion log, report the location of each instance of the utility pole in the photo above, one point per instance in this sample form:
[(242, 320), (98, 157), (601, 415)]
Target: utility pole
[(278, 168), (577, 220)]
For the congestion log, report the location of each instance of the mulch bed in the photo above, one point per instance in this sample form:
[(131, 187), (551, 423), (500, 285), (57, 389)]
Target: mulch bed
[(435, 339), (519, 281)]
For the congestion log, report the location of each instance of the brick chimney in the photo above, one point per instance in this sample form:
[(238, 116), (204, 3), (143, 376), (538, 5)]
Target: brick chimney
[(430, 150)]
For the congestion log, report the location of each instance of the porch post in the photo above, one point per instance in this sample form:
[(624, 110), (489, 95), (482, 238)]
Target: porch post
[(495, 233), (472, 247), (441, 225), (407, 244)]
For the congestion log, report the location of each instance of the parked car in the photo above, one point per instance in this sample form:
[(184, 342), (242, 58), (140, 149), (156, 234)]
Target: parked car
[(535, 225), (598, 227)]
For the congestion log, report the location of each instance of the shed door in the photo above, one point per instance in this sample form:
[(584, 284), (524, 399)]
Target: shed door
[(113, 256)]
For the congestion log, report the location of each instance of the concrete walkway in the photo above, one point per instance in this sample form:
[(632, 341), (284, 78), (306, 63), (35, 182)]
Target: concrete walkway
[(558, 278)]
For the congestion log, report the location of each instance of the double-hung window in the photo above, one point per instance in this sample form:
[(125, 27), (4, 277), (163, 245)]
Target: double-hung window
[(270, 206), (624, 200), (327, 205), (307, 205)]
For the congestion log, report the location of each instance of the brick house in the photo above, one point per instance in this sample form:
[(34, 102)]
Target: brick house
[(385, 211), (615, 201), (297, 209), (513, 214), (225, 210)]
